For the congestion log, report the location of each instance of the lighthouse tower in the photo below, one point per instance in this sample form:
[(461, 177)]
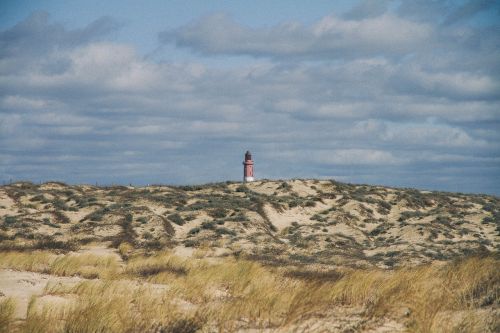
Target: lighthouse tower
[(248, 168)]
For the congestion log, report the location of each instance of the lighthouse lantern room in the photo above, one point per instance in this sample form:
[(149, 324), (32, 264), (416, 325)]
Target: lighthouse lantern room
[(248, 168)]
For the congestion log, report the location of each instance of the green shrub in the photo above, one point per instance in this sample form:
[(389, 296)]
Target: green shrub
[(218, 213), (142, 220), (208, 225), (194, 231), (10, 220), (285, 187), (242, 188), (225, 231)]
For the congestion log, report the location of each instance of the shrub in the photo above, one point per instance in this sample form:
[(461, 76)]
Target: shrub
[(194, 231), (142, 220), (242, 188), (285, 187), (176, 218), (10, 219), (218, 213), (60, 217), (225, 231), (378, 230), (47, 222), (310, 203), (48, 243), (208, 225), (487, 220)]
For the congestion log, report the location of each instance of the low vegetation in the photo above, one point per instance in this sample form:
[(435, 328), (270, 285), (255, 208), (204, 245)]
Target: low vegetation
[(299, 255)]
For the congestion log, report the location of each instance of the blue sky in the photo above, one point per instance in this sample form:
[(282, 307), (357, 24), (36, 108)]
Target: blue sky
[(398, 93)]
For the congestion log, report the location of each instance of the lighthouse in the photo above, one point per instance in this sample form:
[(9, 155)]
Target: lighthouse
[(248, 168)]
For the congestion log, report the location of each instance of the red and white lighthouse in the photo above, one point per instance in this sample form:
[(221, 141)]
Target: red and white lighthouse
[(248, 168)]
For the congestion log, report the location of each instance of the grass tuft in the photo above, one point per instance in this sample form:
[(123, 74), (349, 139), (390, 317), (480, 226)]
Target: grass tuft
[(7, 308)]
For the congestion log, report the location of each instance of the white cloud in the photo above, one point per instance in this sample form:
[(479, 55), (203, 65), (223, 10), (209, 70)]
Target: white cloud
[(431, 135), (357, 157), (23, 103), (332, 36), (362, 103)]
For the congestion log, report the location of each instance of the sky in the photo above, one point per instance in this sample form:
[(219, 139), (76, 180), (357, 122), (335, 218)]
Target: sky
[(386, 92)]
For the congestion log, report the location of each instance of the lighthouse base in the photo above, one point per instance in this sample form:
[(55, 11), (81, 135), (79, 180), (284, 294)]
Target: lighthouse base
[(248, 179)]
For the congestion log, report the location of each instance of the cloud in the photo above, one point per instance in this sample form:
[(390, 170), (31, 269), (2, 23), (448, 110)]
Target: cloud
[(357, 157), (36, 35), (366, 96), (331, 37)]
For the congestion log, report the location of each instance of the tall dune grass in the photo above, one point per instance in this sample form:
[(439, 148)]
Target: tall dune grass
[(166, 293), (426, 291), (36, 261), (7, 308), (115, 306), (84, 265), (160, 263)]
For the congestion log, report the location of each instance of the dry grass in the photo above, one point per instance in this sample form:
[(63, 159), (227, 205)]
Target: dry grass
[(37, 261), (426, 291), (163, 262), (120, 306), (84, 265), (125, 249), (166, 293), (7, 307)]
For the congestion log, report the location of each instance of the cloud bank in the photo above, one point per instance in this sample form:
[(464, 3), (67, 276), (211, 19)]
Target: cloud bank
[(379, 94)]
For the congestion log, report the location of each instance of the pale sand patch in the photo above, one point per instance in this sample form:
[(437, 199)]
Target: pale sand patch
[(284, 219), (409, 234), (107, 230), (337, 320), (22, 285), (303, 188), (353, 208), (75, 217), (156, 208), (52, 186), (7, 205), (386, 326), (100, 249), (184, 252), (396, 211), (267, 188), (346, 230)]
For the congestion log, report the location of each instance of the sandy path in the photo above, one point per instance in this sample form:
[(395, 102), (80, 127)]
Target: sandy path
[(21, 285)]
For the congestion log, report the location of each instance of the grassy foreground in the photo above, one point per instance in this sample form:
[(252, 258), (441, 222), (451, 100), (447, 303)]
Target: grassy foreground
[(166, 293)]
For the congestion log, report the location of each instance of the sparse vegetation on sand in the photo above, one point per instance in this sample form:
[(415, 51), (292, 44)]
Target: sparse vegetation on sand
[(279, 256)]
